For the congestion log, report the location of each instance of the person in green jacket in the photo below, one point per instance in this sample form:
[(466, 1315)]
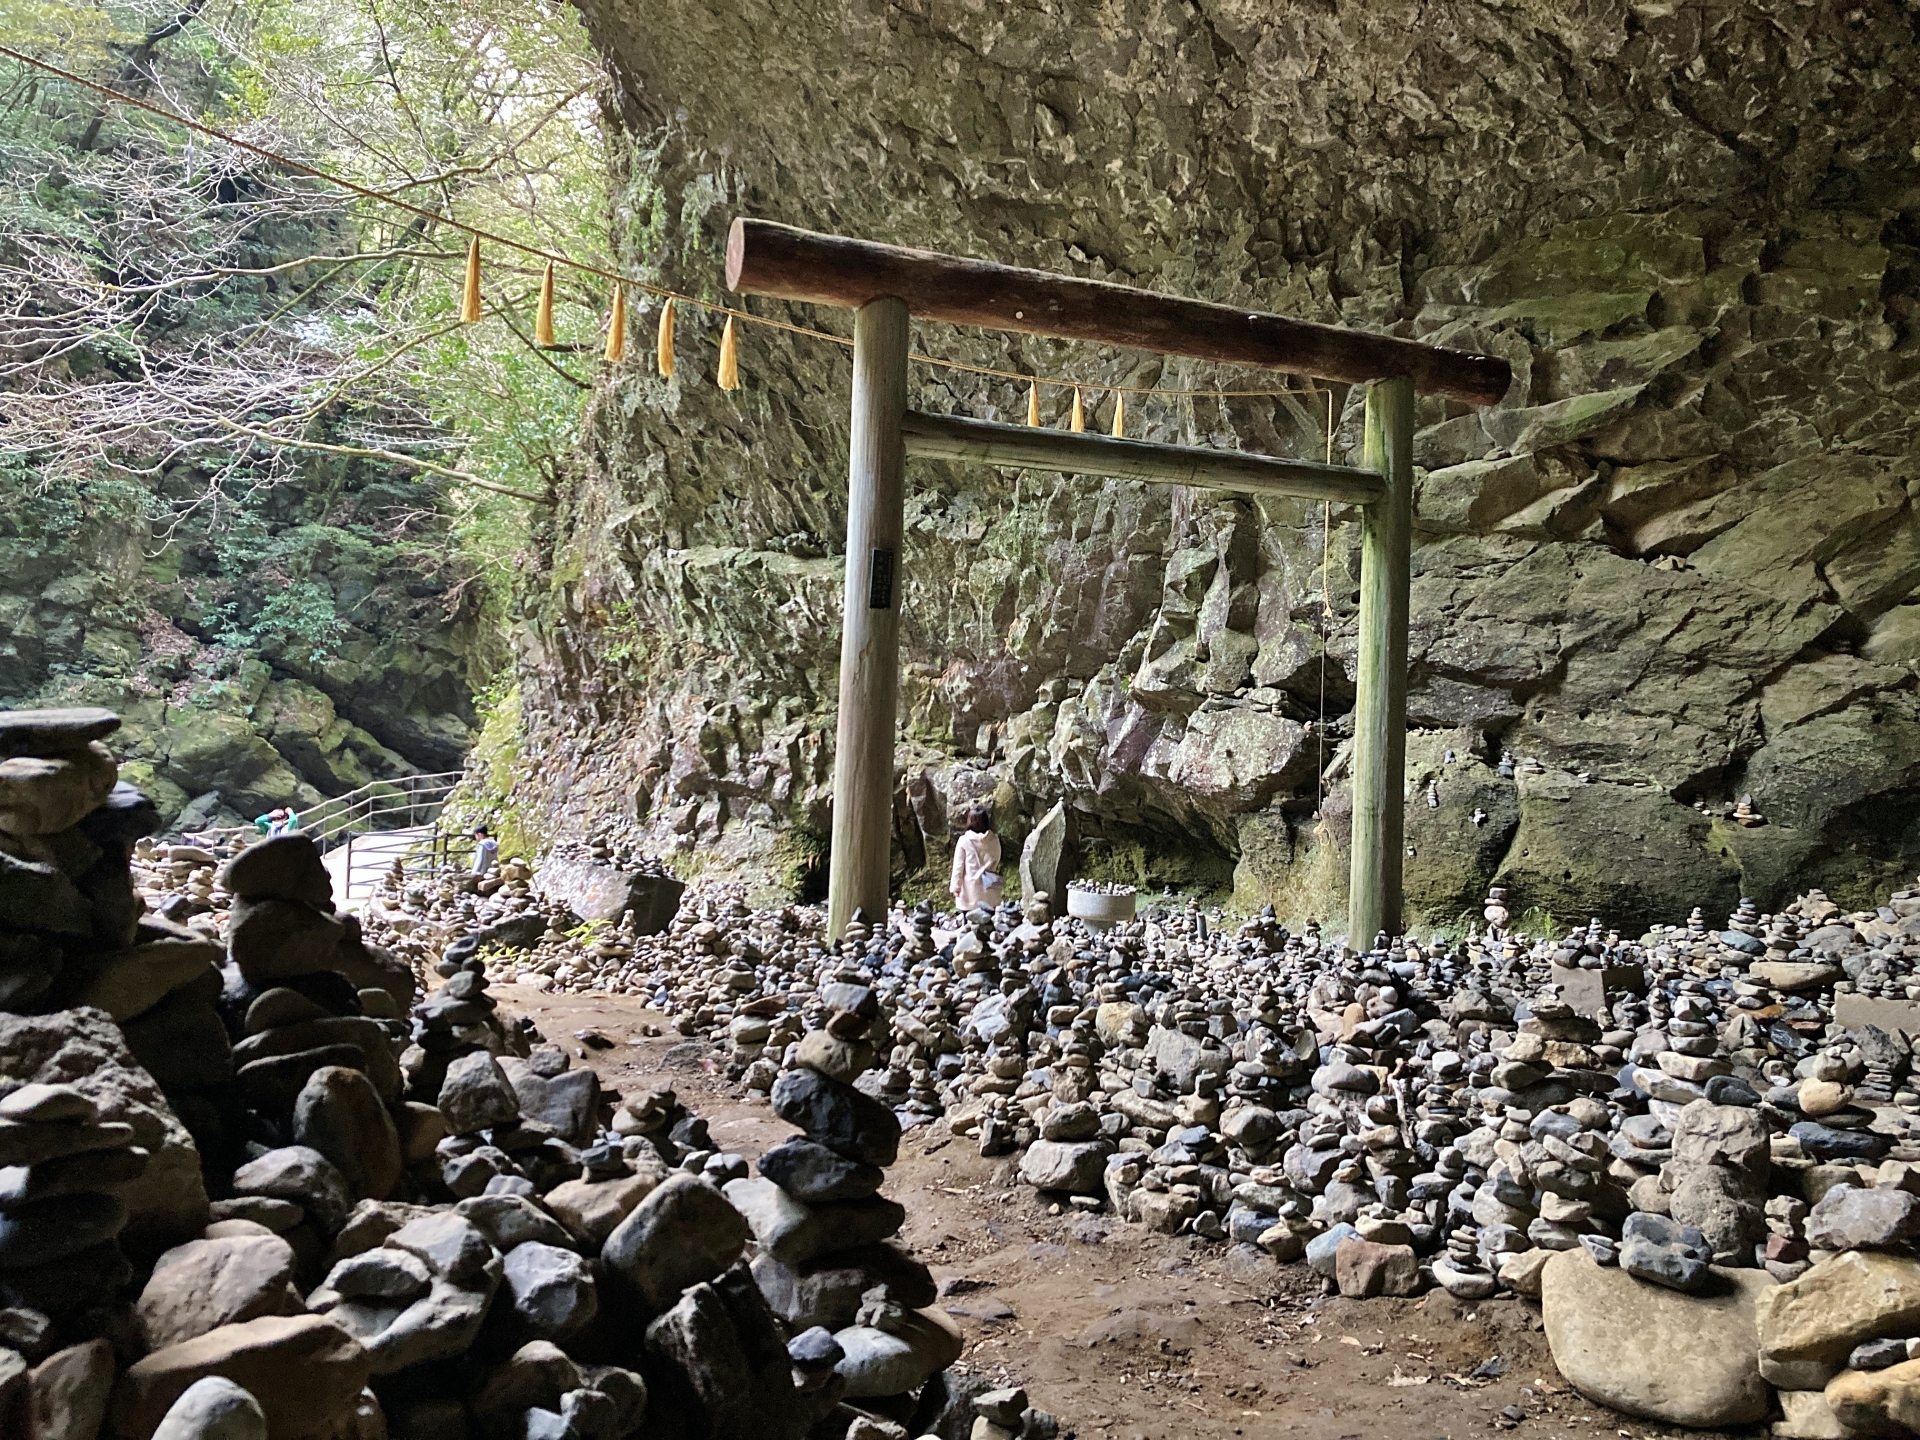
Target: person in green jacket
[(277, 822)]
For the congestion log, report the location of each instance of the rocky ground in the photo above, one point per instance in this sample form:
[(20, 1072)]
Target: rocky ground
[(711, 1173)]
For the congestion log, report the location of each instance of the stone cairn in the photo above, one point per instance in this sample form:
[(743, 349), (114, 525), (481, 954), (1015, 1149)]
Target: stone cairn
[(254, 1187), (1673, 1142)]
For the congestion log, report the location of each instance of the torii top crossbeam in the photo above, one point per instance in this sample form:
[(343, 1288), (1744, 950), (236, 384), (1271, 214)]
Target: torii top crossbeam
[(885, 285)]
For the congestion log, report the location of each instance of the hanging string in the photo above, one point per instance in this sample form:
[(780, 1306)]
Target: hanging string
[(543, 317), (617, 327), (470, 308)]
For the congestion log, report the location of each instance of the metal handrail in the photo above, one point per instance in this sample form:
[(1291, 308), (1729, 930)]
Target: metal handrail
[(404, 802)]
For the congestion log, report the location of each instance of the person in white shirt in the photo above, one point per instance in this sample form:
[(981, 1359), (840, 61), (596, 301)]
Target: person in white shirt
[(976, 865), (486, 851)]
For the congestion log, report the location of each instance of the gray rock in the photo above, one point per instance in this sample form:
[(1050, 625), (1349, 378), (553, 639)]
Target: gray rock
[(1324, 1248), (683, 1233), (303, 1175), (1657, 1249), (380, 1274), (827, 1290), (205, 1284), (449, 1244), (553, 1290), (794, 1233), (476, 1095), (893, 1362), (569, 1102), (213, 1409), (510, 1220), (812, 1173), (282, 867), (838, 1116), (1077, 1168), (726, 1344), (279, 939), (1846, 1218), (340, 1114)]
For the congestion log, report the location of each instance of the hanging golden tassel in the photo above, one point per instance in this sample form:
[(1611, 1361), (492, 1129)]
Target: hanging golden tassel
[(1119, 415), (470, 293), (617, 327), (663, 347), (1079, 421), (543, 317), (1033, 402), (727, 375)]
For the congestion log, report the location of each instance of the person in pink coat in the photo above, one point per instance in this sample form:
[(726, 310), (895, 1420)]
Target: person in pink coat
[(976, 865)]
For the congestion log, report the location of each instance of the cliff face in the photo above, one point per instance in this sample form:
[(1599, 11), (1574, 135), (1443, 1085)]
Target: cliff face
[(1672, 567)]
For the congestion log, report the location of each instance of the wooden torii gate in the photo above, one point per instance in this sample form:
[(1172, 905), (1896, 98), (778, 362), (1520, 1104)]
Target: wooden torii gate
[(885, 285)]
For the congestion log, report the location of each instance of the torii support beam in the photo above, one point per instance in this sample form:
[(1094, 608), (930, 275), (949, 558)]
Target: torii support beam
[(886, 284)]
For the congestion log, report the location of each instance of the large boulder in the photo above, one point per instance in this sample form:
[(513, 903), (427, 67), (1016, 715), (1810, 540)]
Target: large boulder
[(605, 892), (304, 1372), (1655, 1353)]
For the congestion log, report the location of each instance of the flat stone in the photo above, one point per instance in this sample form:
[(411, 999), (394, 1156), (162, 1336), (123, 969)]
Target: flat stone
[(510, 1220), (54, 732), (812, 1173), (592, 1209), (43, 795), (382, 1273), (1808, 1327), (48, 1105), (213, 1409), (1793, 976), (204, 1284), (303, 1175), (684, 1232), (282, 1006), (1652, 1352), (89, 1172), (281, 867), (138, 979), (300, 1368), (569, 1102), (794, 1233), (44, 1231), (1806, 1416)]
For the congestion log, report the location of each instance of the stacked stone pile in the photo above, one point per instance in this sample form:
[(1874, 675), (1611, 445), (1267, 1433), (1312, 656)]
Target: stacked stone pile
[(1668, 1113), (823, 1228), (424, 1222)]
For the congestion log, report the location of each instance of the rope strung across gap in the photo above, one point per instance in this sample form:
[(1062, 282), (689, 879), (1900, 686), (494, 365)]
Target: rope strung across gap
[(470, 308)]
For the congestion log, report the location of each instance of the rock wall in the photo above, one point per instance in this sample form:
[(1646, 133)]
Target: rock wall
[(271, 652), (1673, 566)]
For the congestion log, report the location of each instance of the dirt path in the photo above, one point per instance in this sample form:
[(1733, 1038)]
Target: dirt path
[(1127, 1335)]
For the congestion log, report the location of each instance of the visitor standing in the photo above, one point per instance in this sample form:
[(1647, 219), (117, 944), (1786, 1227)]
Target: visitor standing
[(277, 822), (976, 865), (486, 852)]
